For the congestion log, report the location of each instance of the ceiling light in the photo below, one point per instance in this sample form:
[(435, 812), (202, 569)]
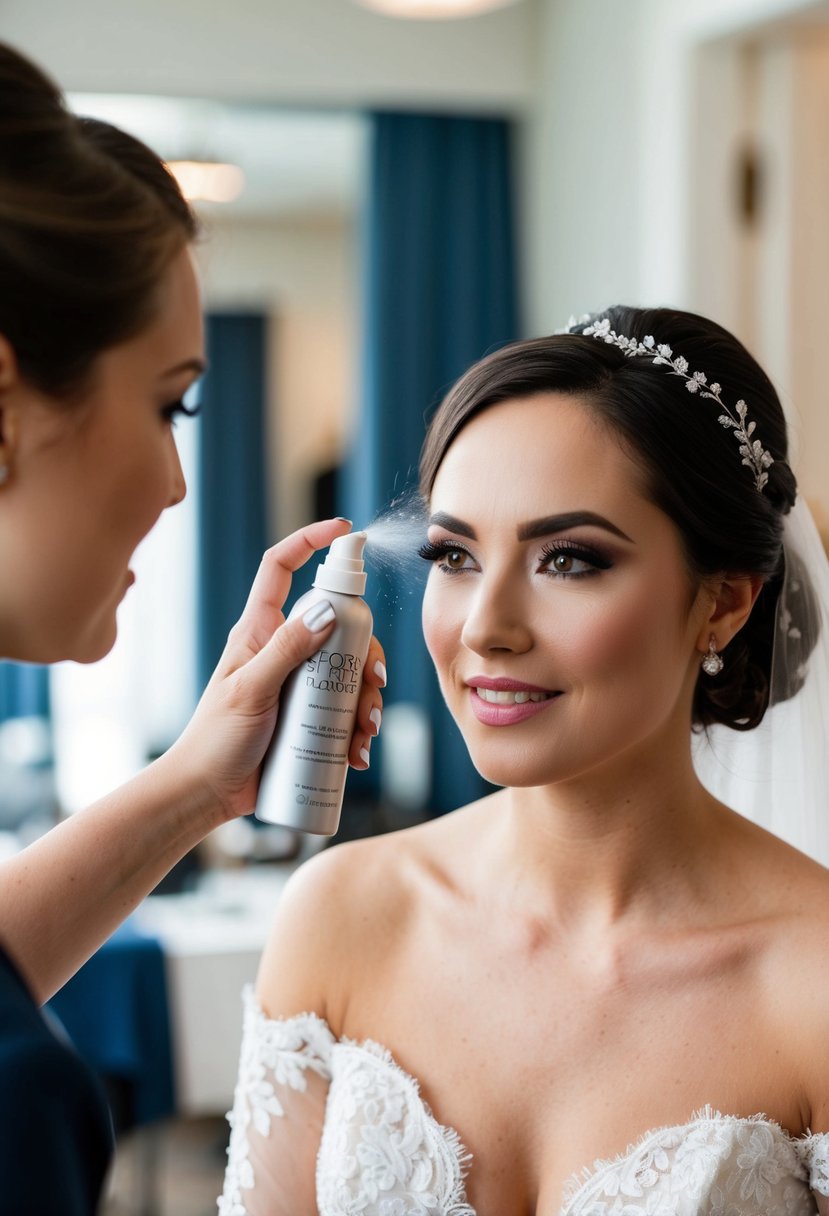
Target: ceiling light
[(207, 181), (434, 9)]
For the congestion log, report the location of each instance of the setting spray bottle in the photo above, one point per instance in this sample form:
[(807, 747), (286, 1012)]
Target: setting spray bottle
[(303, 777)]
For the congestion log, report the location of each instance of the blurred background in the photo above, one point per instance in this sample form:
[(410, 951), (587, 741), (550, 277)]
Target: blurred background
[(387, 190)]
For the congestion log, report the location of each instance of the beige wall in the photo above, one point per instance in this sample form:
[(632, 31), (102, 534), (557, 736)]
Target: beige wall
[(808, 301), (631, 171), (767, 281), (582, 187), (611, 155)]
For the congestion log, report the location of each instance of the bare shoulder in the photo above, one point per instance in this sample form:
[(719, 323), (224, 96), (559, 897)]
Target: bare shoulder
[(809, 1000), (799, 967), (790, 900), (343, 914)]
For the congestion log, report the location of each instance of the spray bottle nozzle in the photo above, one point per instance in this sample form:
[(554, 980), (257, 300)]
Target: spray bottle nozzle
[(347, 548), (343, 568)]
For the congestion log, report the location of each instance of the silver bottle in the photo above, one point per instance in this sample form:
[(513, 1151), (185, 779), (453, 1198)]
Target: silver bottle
[(303, 778)]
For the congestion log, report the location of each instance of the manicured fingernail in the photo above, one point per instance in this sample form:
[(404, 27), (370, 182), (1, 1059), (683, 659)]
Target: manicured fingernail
[(318, 616), (364, 756), (343, 519), (380, 672), (375, 717)]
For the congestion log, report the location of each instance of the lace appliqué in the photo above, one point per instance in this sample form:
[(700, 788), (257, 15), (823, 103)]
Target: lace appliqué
[(815, 1151), (721, 1165), (273, 1053), (382, 1151)]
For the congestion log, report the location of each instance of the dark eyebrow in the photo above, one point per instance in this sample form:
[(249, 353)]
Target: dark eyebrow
[(536, 527), (570, 519), (441, 520), (198, 366)]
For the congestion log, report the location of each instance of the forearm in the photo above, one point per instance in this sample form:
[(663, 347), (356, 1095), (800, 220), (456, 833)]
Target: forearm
[(62, 897)]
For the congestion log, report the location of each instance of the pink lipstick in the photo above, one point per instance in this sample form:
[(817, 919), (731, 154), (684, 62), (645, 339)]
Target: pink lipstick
[(502, 702)]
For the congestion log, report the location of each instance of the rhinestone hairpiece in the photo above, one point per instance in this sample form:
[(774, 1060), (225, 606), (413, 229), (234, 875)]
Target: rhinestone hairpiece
[(753, 454)]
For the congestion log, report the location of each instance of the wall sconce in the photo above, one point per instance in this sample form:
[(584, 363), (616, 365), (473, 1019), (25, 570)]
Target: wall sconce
[(207, 181), (439, 10)]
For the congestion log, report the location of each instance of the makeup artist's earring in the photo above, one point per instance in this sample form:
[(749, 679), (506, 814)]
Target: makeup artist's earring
[(712, 664)]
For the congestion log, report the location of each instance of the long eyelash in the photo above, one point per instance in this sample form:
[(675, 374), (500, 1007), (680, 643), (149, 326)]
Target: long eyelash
[(430, 551), (179, 409), (571, 549), (434, 551)]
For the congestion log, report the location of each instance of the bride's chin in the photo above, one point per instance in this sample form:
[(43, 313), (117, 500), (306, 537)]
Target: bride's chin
[(517, 771)]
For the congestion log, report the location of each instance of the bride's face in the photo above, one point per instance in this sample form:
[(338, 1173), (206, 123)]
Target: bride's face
[(559, 610)]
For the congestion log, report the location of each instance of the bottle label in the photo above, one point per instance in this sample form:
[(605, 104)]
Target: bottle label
[(321, 742), (333, 671)]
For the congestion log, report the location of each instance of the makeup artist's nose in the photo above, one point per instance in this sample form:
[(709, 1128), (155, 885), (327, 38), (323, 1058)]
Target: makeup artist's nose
[(178, 485), (496, 620)]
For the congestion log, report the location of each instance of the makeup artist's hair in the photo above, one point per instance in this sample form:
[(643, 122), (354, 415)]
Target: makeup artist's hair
[(90, 219)]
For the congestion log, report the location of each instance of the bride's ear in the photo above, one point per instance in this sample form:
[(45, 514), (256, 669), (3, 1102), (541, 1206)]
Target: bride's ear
[(732, 599)]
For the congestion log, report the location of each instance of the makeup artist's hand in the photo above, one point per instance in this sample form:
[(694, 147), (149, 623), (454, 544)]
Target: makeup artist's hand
[(223, 746)]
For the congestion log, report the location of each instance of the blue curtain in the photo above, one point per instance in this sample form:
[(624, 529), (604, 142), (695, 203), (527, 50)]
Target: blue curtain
[(232, 477), (24, 691), (440, 292)]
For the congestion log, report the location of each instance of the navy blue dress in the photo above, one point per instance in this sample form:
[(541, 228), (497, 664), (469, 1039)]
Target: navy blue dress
[(55, 1128)]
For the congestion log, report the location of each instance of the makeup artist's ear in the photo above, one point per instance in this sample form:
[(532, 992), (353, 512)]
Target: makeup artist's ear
[(732, 600), (9, 379)]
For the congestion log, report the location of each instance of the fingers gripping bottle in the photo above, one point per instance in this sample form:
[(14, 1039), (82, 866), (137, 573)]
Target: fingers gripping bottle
[(303, 777)]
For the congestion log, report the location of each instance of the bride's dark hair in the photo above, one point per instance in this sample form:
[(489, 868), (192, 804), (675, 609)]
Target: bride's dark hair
[(692, 464)]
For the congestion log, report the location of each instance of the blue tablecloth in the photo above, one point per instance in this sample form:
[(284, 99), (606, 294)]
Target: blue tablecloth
[(115, 1011)]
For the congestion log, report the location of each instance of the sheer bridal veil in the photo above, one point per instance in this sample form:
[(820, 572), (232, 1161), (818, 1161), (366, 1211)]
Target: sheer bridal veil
[(778, 773)]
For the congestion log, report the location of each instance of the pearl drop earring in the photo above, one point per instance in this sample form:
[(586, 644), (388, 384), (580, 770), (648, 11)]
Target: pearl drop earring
[(712, 664)]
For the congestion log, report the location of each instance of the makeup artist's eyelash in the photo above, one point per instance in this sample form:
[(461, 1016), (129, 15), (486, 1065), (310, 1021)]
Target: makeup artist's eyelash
[(437, 552), (179, 409)]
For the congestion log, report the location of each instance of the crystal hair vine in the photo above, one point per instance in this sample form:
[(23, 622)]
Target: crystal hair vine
[(753, 454)]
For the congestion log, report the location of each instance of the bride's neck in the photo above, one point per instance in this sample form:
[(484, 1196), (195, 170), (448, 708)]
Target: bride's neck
[(625, 844)]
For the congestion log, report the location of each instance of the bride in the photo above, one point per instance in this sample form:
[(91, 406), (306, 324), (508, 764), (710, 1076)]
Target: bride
[(598, 989)]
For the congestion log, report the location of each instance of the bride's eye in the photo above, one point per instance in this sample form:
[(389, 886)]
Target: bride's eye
[(572, 561), (448, 557)]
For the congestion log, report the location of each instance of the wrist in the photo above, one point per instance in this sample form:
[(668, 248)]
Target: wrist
[(182, 785)]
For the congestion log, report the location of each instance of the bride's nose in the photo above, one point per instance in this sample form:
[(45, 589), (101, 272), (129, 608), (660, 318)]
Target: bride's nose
[(496, 620)]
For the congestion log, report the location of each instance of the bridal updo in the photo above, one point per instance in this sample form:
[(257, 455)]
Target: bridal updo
[(90, 220), (692, 464)]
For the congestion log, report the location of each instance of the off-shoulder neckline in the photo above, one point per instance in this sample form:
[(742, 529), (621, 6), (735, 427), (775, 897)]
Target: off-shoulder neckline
[(581, 1180)]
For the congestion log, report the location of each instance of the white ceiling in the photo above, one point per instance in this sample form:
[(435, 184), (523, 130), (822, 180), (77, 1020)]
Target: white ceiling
[(296, 162)]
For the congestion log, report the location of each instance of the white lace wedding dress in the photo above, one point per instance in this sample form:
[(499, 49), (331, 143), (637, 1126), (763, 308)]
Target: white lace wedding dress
[(336, 1127)]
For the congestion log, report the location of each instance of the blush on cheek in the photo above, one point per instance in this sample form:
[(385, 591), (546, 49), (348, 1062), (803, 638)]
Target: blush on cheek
[(430, 622), (605, 643), (442, 635), (634, 662)]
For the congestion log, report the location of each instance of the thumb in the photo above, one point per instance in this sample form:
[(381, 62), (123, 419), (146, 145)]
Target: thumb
[(295, 640)]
